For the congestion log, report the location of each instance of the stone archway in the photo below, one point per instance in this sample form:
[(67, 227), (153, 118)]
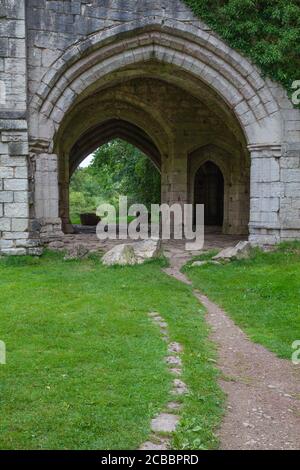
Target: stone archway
[(225, 94), (88, 142), (163, 71)]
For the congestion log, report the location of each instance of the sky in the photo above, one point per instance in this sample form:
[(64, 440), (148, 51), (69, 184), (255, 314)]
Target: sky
[(87, 161)]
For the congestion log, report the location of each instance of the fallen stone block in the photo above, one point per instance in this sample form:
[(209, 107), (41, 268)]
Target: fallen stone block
[(241, 251)]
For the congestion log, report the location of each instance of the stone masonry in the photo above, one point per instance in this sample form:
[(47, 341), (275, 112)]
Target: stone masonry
[(75, 74)]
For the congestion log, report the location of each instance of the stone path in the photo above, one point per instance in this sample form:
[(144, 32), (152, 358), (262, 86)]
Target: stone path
[(163, 425), (263, 391)]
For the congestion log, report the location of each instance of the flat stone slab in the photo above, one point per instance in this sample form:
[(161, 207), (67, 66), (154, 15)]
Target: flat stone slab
[(174, 406), (151, 446), (174, 361), (241, 251), (165, 422), (199, 264), (175, 348), (176, 371), (162, 324), (180, 387)]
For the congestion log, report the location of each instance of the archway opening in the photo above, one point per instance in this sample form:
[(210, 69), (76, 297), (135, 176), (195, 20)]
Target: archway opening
[(209, 190), (117, 168)]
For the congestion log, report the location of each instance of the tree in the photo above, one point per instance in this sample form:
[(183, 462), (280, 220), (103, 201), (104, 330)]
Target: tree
[(118, 169), (267, 31), (125, 170)]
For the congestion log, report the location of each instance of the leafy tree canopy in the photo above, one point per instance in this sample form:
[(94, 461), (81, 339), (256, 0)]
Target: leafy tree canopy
[(267, 31), (118, 168)]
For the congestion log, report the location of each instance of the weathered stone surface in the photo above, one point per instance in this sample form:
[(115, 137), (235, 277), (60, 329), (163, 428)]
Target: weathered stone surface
[(53, 53), (147, 249), (56, 246), (179, 387), (122, 255), (241, 251), (197, 264), (152, 446), (175, 348), (76, 252), (131, 254), (174, 361), (165, 423)]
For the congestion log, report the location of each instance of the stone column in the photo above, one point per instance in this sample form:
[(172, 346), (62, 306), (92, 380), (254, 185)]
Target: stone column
[(18, 234), (64, 194), (47, 196), (175, 177), (290, 201), (178, 172), (265, 194)]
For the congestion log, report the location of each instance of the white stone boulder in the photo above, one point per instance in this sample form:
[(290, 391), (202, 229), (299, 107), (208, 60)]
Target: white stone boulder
[(147, 249), (197, 264), (134, 253), (241, 251)]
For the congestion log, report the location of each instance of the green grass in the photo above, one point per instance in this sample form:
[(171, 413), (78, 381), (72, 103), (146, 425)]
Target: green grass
[(85, 365), (261, 294)]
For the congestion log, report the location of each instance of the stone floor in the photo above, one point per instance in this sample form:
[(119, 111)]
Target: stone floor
[(86, 236)]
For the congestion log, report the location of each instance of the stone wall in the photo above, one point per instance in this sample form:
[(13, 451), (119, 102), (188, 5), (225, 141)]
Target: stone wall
[(57, 55), (16, 227)]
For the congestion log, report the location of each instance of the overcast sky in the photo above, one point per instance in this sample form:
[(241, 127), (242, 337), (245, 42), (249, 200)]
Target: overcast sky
[(87, 161)]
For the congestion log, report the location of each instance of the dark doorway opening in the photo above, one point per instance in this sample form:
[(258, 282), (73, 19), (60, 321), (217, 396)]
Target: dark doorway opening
[(209, 190)]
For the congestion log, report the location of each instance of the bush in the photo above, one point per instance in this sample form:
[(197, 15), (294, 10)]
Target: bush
[(266, 31)]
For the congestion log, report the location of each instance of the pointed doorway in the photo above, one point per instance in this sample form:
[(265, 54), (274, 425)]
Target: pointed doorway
[(209, 190)]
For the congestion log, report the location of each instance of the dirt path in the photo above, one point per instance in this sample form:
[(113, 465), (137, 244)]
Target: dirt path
[(263, 392)]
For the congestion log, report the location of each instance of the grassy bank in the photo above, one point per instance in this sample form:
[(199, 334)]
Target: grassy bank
[(261, 294), (85, 365)]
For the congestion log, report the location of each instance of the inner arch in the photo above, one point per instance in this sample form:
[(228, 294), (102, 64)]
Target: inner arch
[(107, 131)]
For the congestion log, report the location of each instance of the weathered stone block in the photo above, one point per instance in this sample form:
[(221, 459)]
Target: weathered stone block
[(19, 225), (16, 185), (6, 196), (6, 172), (16, 210), (5, 224)]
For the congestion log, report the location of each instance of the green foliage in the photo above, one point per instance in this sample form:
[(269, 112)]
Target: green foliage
[(118, 168), (267, 31), (126, 171)]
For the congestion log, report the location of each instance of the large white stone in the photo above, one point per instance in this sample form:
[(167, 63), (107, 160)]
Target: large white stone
[(134, 253), (122, 255), (147, 249), (240, 251)]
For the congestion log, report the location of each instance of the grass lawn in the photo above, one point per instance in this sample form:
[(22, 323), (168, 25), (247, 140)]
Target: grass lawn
[(261, 294), (85, 365)]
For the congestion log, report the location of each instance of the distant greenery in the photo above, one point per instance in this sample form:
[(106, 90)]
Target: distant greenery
[(118, 168), (267, 31), (85, 365), (260, 294)]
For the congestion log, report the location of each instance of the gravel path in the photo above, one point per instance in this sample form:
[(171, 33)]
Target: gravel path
[(263, 391)]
